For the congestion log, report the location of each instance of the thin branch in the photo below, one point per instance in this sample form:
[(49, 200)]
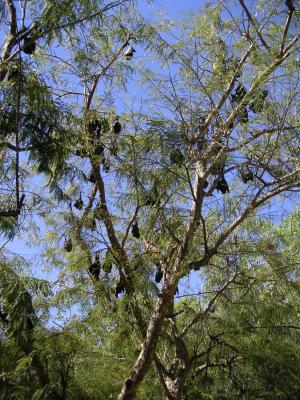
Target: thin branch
[(13, 147), (254, 24), (107, 219), (291, 44), (286, 29), (103, 71), (129, 225), (207, 365), (209, 307), (96, 14), (261, 133), (276, 191), (88, 207), (204, 233), (41, 34)]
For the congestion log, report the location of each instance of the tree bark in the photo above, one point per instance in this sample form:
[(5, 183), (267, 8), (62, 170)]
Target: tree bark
[(145, 358)]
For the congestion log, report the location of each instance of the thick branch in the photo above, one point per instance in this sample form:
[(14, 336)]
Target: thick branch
[(106, 216), (13, 17), (11, 36)]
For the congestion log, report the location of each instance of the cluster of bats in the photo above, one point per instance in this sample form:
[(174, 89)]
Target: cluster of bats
[(29, 47), (176, 157), (255, 104), (95, 267), (247, 175), (94, 270), (95, 129), (151, 199)]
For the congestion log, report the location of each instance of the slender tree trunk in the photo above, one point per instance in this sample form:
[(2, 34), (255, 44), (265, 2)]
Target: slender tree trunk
[(145, 358)]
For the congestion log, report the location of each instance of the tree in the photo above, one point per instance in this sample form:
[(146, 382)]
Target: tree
[(185, 178)]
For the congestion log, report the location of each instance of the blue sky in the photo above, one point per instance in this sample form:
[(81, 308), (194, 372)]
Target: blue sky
[(174, 8)]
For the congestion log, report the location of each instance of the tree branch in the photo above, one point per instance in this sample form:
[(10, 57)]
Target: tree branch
[(254, 24), (210, 306), (102, 72), (286, 29), (41, 34), (10, 40)]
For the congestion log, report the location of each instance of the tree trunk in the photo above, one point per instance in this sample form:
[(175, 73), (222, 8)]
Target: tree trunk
[(145, 358)]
